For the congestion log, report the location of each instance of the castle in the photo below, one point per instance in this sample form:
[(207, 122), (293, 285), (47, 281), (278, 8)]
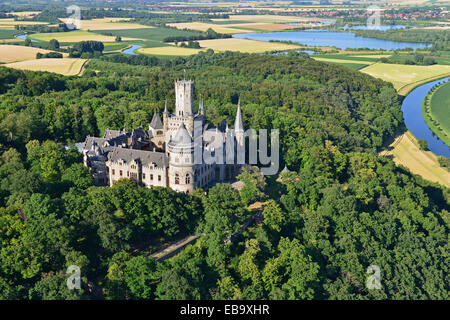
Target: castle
[(164, 154)]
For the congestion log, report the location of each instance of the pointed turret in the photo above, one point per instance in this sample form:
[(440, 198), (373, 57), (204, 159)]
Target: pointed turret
[(165, 108), (201, 108), (238, 123), (156, 122)]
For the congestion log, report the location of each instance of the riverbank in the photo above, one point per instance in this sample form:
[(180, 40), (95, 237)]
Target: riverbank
[(435, 111)]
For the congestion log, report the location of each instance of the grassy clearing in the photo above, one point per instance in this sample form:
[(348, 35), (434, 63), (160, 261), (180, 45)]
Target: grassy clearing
[(436, 112), (245, 45), (66, 66), (74, 36), (108, 24), (25, 13), (267, 18), (346, 63), (11, 53), (405, 151), (168, 51), (405, 75), (364, 59)]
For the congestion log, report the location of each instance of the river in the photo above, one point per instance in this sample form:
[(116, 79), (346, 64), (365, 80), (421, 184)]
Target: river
[(412, 115)]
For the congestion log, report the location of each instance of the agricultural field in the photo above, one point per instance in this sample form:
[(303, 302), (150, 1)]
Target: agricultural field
[(108, 24), (9, 34), (440, 112), (168, 51), (201, 26), (268, 18), (66, 66), (74, 36), (405, 151), (148, 34), (24, 14), (245, 45), (11, 53), (10, 23), (402, 76)]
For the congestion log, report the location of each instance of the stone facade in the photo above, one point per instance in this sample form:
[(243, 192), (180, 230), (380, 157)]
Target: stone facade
[(163, 155)]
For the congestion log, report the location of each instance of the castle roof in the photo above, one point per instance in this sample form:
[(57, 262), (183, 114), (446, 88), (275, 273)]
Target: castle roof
[(144, 157), (182, 138), (110, 134), (156, 121)]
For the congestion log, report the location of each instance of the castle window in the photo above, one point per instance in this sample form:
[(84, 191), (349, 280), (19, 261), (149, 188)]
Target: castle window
[(113, 171), (151, 176), (120, 173), (133, 166), (188, 178), (143, 176), (177, 178), (128, 173), (159, 178)]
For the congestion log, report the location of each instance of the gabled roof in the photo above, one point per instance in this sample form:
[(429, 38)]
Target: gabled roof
[(142, 156)]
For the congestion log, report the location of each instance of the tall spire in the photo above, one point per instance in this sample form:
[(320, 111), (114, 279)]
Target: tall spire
[(201, 108), (238, 124), (165, 107)]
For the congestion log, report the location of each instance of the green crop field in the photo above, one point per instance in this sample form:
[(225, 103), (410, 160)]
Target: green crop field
[(436, 112), (148, 34), (8, 34)]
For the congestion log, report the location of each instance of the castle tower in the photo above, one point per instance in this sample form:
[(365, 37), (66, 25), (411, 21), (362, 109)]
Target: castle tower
[(165, 118), (184, 98), (181, 161)]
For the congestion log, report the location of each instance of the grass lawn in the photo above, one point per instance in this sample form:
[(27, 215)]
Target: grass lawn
[(11, 53), (108, 24), (245, 45), (438, 117), (405, 151), (168, 51), (66, 66), (74, 36), (405, 75)]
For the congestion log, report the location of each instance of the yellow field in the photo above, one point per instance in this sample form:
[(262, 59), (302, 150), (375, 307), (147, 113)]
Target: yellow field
[(268, 18), (108, 24), (24, 13), (402, 75), (9, 53), (66, 66), (245, 45), (75, 36), (11, 22), (424, 163), (200, 26), (169, 51), (341, 60)]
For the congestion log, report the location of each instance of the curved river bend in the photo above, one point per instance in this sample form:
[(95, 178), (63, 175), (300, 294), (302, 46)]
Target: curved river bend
[(412, 115)]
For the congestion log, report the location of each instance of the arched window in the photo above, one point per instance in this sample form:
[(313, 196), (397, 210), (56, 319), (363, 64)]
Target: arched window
[(177, 178), (188, 178)]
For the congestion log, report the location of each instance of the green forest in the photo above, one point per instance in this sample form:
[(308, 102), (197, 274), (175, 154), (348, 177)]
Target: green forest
[(338, 210)]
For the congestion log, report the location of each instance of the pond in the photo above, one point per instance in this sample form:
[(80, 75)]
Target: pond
[(131, 49), (24, 37), (341, 40), (412, 115)]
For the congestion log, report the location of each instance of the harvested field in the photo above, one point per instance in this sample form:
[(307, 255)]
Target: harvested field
[(66, 66), (10, 53)]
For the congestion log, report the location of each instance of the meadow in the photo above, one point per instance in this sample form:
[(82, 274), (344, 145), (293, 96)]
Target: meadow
[(66, 66), (438, 116), (8, 34), (11, 53), (245, 45), (202, 26), (403, 76)]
